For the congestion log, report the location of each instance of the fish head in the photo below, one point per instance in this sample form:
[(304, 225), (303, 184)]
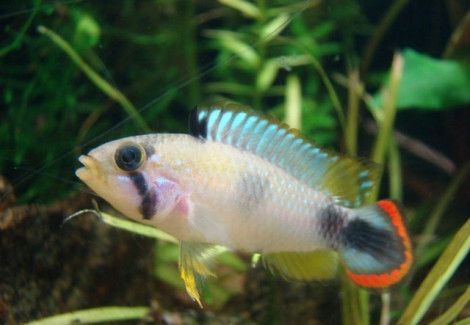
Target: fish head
[(133, 177)]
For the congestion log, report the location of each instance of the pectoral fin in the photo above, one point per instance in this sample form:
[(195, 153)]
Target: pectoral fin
[(299, 266), (196, 263)]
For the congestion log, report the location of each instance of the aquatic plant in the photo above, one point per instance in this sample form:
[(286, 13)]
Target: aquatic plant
[(276, 57)]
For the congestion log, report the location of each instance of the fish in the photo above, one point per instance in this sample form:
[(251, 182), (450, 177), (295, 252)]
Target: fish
[(250, 183)]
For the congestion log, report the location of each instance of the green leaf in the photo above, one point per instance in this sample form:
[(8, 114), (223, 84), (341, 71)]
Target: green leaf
[(243, 50), (267, 74), (430, 83), (245, 7), (454, 310), (88, 31), (444, 268), (274, 27), (95, 315)]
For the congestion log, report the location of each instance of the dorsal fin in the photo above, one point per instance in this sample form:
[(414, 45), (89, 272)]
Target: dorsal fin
[(347, 180)]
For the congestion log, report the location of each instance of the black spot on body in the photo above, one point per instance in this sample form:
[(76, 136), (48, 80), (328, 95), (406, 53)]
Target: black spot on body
[(197, 127), (252, 189), (331, 223), (381, 244), (148, 205)]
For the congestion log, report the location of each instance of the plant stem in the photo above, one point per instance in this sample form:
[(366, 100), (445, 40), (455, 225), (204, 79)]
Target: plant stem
[(395, 172), (441, 206), (331, 91), (293, 109), (380, 31), (17, 42), (354, 95), (448, 262), (95, 315), (190, 51), (389, 110), (385, 312)]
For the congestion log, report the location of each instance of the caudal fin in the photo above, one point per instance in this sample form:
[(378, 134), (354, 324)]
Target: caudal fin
[(376, 250)]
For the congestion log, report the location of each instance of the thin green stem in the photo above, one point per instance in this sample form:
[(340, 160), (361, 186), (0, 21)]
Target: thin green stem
[(444, 268), (17, 42), (395, 172), (385, 312), (95, 315), (95, 78), (190, 51), (331, 91), (438, 212), (389, 110), (293, 108), (360, 298), (354, 96), (454, 310), (380, 31)]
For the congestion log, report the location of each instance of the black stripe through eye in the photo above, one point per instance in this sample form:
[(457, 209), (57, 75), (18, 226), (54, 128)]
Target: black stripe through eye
[(139, 182)]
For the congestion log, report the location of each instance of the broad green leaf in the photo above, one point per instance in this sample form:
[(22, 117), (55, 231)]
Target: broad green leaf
[(430, 83)]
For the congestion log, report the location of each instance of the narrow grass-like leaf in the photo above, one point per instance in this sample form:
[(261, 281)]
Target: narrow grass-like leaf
[(19, 37), (454, 310), (274, 27), (331, 91), (243, 50), (293, 109), (130, 226), (464, 321), (438, 277), (94, 315), (355, 90), (267, 74), (245, 7), (101, 83), (436, 215)]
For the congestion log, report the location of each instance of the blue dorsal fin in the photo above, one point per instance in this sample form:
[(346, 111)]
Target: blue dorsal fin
[(348, 180)]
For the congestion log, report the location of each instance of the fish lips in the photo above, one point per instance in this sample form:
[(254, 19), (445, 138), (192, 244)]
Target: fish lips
[(89, 170)]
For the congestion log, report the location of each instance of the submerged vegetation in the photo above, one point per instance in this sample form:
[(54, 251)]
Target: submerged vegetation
[(386, 81)]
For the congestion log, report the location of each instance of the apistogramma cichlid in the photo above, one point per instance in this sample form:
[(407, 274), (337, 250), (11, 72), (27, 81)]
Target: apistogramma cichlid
[(246, 182)]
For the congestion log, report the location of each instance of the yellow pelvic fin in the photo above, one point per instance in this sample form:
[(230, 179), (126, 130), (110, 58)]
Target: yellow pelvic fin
[(299, 266), (196, 263)]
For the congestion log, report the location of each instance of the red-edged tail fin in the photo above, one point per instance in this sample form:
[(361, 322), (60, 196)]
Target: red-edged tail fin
[(376, 249)]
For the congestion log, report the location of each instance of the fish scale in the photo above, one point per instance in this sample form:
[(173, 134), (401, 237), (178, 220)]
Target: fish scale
[(249, 182), (220, 190)]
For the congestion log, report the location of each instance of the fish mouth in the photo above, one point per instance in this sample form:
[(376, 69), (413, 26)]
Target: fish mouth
[(89, 169)]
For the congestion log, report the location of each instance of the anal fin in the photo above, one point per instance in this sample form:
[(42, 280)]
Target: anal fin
[(303, 266)]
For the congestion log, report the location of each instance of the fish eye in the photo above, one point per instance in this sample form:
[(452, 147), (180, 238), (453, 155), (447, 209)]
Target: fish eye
[(129, 157)]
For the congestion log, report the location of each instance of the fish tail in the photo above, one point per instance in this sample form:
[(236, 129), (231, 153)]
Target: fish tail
[(375, 247)]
